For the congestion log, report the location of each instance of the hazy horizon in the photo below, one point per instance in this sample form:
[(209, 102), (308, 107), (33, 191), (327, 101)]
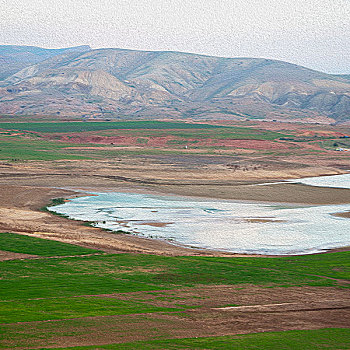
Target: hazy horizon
[(299, 32)]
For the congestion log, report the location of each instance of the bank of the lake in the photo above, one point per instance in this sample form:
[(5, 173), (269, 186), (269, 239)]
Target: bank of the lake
[(246, 228)]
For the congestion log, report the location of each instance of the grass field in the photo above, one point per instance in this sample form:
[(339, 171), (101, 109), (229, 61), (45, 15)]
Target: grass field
[(330, 339), (123, 273), (50, 127), (85, 288), (22, 149), (32, 141), (66, 277), (212, 131), (12, 242)]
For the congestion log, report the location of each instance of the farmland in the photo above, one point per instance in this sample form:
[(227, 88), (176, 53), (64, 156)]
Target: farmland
[(50, 141), (291, 340), (82, 293), (69, 285)]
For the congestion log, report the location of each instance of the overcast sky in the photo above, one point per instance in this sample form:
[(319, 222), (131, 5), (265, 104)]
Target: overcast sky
[(313, 33)]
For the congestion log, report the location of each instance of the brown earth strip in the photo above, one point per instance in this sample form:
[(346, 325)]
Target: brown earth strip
[(4, 255), (221, 189), (343, 215)]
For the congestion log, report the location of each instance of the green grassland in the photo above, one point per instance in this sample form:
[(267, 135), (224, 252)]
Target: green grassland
[(121, 273), (16, 149), (74, 307), (67, 127), (31, 145), (148, 128), (73, 288), (330, 339), (233, 133), (124, 273), (12, 242), (22, 149)]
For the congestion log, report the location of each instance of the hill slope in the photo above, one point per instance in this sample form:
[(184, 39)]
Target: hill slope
[(116, 83), (14, 58)]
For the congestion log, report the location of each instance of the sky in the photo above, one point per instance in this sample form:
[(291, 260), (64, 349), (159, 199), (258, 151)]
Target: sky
[(312, 33)]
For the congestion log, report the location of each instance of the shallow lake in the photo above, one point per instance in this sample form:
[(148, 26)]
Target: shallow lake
[(219, 224)]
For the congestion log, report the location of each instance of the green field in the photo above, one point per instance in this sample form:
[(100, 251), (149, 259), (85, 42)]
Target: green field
[(63, 308), (12, 242), (36, 142), (330, 339), (147, 128), (22, 149), (71, 290), (124, 273), (67, 127), (232, 133)]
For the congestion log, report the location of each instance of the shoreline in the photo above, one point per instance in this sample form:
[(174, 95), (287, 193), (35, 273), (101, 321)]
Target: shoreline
[(209, 250), (244, 193), (40, 194), (92, 192), (345, 214)]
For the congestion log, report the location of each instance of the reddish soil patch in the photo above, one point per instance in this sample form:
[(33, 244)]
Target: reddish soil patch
[(77, 138), (159, 141), (166, 141), (251, 144)]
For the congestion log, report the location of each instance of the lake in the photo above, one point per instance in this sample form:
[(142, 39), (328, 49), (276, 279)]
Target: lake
[(252, 228)]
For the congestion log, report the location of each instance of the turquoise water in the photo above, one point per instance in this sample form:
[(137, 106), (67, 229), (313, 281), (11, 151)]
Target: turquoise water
[(218, 224)]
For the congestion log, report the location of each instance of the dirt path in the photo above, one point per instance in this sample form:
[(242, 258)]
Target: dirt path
[(4, 255)]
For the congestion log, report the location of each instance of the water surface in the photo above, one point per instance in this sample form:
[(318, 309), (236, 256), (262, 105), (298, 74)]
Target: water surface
[(221, 224)]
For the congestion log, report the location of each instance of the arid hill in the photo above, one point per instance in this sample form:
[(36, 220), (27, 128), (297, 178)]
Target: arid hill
[(112, 83)]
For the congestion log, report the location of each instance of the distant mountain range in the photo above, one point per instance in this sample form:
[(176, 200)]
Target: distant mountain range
[(116, 83)]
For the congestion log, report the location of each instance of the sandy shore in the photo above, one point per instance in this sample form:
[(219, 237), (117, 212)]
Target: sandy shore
[(20, 213), (343, 215), (232, 190), (201, 177), (27, 187)]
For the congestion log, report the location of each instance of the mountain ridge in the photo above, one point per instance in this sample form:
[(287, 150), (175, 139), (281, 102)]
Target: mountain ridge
[(110, 83)]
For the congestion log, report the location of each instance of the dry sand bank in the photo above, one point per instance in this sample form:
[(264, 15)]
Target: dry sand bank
[(19, 213), (212, 181), (23, 216), (343, 215), (26, 187)]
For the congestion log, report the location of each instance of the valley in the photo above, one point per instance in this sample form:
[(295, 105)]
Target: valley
[(136, 292)]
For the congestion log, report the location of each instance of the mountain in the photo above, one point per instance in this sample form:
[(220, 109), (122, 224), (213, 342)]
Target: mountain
[(14, 58), (113, 83)]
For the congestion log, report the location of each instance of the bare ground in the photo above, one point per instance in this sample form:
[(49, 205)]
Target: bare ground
[(343, 215), (190, 175), (4, 255)]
